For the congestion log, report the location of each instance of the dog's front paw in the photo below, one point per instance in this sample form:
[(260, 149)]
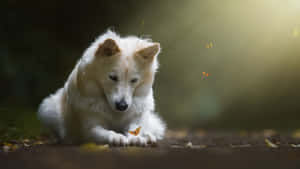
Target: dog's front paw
[(117, 139), (150, 138), (137, 141)]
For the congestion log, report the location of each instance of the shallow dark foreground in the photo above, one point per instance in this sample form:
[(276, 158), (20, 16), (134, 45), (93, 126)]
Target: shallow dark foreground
[(241, 150)]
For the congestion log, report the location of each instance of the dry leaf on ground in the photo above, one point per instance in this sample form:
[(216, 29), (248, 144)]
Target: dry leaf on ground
[(93, 147), (270, 144)]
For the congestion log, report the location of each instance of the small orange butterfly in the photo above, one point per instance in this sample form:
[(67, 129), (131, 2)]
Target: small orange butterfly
[(136, 131), (204, 75)]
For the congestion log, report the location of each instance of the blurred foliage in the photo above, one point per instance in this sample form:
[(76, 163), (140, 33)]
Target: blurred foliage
[(18, 124), (249, 48)]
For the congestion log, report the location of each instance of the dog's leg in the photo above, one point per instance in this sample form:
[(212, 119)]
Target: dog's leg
[(101, 135), (50, 113), (152, 130)]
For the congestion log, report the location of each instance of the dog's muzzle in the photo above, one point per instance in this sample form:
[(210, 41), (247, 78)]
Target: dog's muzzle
[(121, 105)]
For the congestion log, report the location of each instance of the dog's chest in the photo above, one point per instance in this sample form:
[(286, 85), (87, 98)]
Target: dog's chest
[(119, 123)]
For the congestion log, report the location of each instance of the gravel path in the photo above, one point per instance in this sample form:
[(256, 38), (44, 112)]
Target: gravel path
[(181, 149)]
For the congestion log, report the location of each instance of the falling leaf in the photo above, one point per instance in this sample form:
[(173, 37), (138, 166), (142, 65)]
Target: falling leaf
[(136, 131), (93, 147), (270, 144)]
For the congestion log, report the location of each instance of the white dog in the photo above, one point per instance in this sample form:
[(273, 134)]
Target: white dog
[(108, 93)]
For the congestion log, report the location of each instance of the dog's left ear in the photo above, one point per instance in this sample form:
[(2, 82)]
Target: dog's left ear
[(146, 55), (108, 48)]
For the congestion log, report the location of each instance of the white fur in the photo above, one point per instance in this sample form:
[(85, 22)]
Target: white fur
[(77, 116)]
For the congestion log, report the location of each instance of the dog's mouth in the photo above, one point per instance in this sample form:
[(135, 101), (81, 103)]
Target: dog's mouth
[(118, 110)]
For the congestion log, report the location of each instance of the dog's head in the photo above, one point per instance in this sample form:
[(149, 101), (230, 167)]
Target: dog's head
[(124, 69)]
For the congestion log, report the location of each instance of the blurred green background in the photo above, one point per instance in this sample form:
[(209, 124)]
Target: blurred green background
[(251, 50)]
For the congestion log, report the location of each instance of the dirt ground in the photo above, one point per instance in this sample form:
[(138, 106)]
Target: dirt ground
[(181, 149)]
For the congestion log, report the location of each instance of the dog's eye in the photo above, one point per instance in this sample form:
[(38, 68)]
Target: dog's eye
[(113, 78), (134, 80)]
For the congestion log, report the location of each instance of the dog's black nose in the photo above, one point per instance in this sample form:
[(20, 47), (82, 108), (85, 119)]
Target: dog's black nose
[(121, 105)]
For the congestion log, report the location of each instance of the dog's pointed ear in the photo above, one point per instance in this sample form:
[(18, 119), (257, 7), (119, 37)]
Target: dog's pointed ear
[(146, 55), (108, 48)]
